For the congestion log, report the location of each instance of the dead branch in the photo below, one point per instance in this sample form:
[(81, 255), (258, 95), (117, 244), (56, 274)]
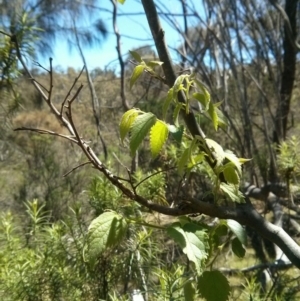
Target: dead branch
[(47, 132), (121, 61)]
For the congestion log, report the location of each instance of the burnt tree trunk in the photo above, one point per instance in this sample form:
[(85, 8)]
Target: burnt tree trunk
[(289, 71)]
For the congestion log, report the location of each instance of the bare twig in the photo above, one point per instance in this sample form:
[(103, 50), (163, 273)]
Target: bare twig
[(41, 131), (41, 66), (95, 100), (277, 265), (74, 168), (152, 175), (69, 92), (121, 62)]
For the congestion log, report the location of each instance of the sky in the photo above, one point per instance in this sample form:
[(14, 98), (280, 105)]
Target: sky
[(105, 55)]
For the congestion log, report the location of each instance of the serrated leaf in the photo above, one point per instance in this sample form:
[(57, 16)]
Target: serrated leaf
[(238, 230), (137, 72), (217, 149), (231, 174), (214, 286), (126, 121), (204, 101), (176, 132), (232, 191), (167, 102), (158, 136), (139, 129), (233, 158), (107, 230), (193, 240), (213, 115), (237, 248), (136, 56)]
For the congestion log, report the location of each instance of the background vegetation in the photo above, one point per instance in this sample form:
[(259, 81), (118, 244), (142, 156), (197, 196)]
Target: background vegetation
[(246, 54)]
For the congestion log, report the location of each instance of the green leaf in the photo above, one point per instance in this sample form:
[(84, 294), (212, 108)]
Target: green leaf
[(167, 102), (238, 248), (202, 89), (217, 150), (107, 230), (176, 114), (231, 174), (158, 136), (139, 129), (152, 64), (196, 160), (217, 104), (222, 120), (183, 161), (193, 240), (137, 72), (178, 83), (176, 132), (136, 56), (191, 150), (238, 230), (232, 191), (229, 155), (121, 1), (189, 291), (221, 230), (243, 160), (204, 101), (126, 121), (217, 233), (214, 286), (213, 115)]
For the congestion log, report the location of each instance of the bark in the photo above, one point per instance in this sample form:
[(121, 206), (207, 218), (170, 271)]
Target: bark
[(289, 71)]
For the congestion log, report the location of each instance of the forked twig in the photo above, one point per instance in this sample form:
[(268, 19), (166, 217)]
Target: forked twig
[(69, 92), (75, 95), (121, 61), (41, 66)]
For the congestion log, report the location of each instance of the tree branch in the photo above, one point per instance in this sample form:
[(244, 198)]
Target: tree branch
[(243, 213)]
